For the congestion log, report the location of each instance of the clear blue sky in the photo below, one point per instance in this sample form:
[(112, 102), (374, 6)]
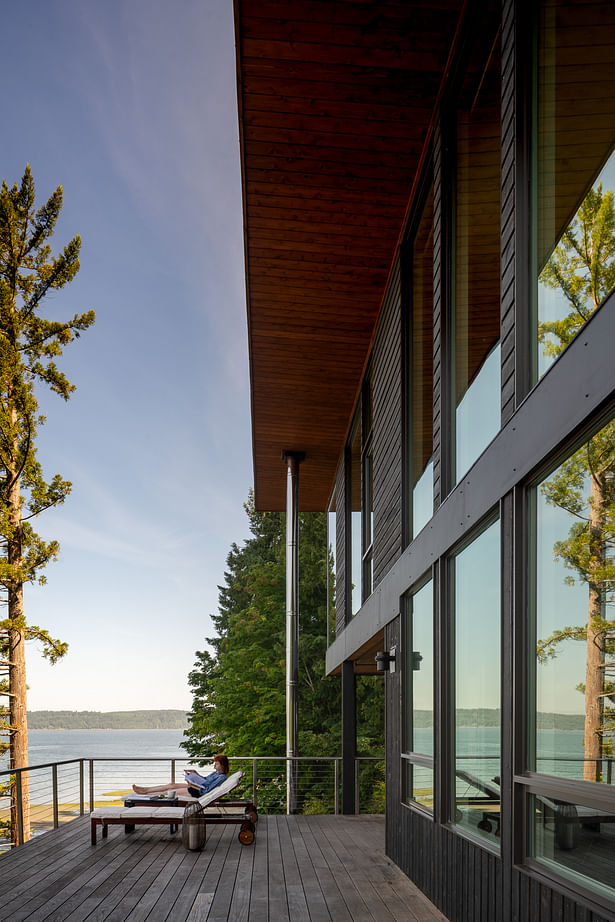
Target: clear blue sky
[(131, 106)]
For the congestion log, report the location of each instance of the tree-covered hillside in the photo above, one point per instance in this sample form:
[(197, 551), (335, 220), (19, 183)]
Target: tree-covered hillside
[(107, 720)]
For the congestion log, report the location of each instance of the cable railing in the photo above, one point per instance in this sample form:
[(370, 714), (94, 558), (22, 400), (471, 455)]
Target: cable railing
[(58, 792)]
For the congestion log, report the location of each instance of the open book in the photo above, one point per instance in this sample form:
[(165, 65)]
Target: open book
[(194, 778)]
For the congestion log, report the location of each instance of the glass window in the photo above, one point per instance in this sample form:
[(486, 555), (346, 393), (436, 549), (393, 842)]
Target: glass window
[(576, 840), (418, 697), (476, 573), (419, 371), (574, 173), (368, 491), (331, 568), (476, 314), (573, 720), (355, 498)]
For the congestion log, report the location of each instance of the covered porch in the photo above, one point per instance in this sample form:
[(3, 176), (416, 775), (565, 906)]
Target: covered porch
[(299, 868)]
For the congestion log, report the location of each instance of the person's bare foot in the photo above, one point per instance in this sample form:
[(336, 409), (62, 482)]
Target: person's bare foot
[(138, 789)]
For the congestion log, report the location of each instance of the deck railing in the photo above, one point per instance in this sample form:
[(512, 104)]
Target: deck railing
[(60, 791)]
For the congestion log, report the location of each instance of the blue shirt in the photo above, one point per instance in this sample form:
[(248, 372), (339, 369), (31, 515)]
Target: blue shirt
[(211, 781)]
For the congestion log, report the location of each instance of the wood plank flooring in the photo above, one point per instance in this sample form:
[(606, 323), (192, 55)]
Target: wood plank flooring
[(299, 869)]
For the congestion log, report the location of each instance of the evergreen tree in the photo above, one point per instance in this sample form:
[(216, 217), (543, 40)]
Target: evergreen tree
[(29, 347), (582, 267), (239, 688)]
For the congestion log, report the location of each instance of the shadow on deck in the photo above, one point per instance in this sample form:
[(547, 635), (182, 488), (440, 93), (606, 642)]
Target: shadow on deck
[(299, 868)]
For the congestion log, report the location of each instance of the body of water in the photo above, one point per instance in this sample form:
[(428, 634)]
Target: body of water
[(116, 759)]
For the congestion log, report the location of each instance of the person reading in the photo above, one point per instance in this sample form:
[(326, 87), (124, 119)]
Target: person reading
[(194, 785)]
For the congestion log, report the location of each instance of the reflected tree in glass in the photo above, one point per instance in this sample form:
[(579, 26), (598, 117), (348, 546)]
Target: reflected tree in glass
[(582, 268)]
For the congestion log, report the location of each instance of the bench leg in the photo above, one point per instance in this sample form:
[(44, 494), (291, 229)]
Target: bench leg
[(93, 831)]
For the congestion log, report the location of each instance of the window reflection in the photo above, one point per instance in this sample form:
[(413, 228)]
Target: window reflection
[(356, 520), (575, 170), (418, 695), (477, 256), (575, 614), (331, 568), (576, 840), (477, 685)]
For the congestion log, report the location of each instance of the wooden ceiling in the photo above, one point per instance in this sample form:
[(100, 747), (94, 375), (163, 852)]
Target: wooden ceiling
[(335, 104)]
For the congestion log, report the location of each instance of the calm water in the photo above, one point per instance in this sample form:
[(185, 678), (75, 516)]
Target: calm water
[(113, 752)]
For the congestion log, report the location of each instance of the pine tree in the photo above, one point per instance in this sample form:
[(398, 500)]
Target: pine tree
[(29, 347), (582, 267)]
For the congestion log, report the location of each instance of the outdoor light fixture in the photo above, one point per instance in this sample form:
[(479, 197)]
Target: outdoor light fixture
[(385, 662)]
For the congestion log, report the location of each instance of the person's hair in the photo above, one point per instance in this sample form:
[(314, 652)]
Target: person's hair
[(223, 760)]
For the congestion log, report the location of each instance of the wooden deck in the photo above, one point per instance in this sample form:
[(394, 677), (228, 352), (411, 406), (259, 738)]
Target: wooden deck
[(299, 869)]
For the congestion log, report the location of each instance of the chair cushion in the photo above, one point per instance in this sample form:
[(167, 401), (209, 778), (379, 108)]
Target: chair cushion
[(231, 782)]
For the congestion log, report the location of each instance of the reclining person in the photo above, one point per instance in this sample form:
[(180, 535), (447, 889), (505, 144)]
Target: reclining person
[(183, 788)]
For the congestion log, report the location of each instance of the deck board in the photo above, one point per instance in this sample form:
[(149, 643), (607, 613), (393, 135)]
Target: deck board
[(312, 868)]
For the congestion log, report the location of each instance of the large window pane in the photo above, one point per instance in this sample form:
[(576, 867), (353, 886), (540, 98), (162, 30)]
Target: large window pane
[(477, 685), (419, 695), (356, 525), (574, 706), (576, 840), (420, 370), (331, 568), (476, 316), (575, 169)]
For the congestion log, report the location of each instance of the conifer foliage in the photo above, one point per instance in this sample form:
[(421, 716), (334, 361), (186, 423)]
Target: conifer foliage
[(30, 344), (239, 685)]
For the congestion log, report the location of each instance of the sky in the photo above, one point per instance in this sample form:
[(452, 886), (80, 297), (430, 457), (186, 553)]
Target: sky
[(131, 106)]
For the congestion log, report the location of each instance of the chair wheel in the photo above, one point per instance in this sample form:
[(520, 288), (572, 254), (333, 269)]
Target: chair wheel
[(246, 834)]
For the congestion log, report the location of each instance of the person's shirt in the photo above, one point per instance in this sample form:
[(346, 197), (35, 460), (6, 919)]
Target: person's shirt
[(211, 781)]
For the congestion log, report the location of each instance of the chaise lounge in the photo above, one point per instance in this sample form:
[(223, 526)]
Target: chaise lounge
[(191, 812)]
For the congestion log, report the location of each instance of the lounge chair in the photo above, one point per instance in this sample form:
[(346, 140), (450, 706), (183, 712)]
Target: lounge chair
[(156, 813)]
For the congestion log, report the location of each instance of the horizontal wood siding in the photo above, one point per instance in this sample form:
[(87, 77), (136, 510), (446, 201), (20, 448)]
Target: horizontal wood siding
[(387, 404)]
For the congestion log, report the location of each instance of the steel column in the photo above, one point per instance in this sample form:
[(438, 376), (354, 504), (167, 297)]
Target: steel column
[(293, 459), (349, 736)]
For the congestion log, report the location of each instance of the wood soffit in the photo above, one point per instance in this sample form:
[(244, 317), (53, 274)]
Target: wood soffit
[(335, 104)]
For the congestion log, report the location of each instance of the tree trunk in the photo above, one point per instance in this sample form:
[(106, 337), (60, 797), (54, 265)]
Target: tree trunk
[(594, 666), (17, 673)]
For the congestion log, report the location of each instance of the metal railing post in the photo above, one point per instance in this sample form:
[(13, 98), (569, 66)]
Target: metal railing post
[(54, 787), (81, 788), (356, 786), (19, 805), (254, 775), (172, 771), (609, 771), (91, 784), (336, 785)]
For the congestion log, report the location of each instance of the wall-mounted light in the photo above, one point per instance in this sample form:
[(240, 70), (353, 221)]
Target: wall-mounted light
[(385, 661)]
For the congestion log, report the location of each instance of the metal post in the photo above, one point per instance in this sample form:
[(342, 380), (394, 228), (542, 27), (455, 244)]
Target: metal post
[(81, 788), (293, 460), (336, 786), (91, 784), (349, 737), (254, 772), (172, 771), (54, 784), (19, 797)]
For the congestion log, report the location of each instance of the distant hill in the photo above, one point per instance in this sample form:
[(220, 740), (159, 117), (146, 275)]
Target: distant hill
[(490, 717), (107, 720)]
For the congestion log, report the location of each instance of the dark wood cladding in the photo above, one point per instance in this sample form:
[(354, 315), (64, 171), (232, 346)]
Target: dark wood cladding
[(387, 398), (507, 218), (335, 100)]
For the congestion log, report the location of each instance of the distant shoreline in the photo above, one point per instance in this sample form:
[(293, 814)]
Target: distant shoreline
[(170, 719)]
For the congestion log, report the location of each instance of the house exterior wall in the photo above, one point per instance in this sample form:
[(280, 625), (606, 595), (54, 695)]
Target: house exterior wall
[(468, 880)]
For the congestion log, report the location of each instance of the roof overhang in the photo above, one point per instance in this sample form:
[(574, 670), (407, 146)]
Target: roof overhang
[(335, 107)]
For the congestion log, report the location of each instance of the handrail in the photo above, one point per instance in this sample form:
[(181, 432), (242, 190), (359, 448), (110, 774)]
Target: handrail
[(321, 790)]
